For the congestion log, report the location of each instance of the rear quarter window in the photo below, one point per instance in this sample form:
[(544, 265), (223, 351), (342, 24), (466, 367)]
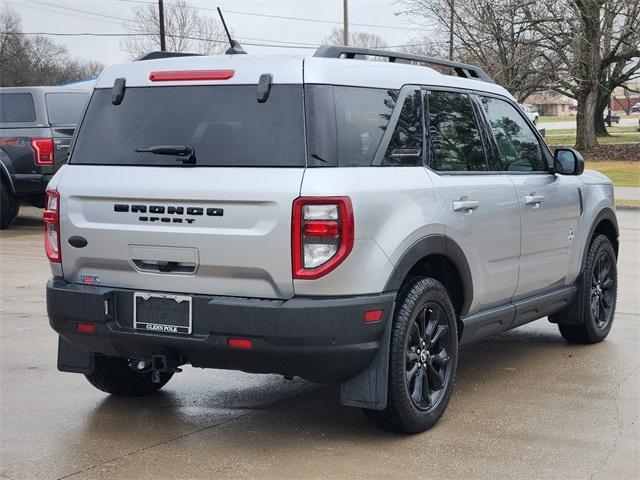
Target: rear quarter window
[(17, 108), (65, 108)]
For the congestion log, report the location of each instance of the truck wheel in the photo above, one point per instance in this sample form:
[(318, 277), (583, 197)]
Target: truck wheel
[(423, 358), (114, 375), (9, 207), (600, 291)]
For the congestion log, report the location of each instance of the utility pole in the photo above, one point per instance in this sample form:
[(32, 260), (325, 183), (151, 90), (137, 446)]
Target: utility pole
[(345, 27), (451, 31), (163, 45)]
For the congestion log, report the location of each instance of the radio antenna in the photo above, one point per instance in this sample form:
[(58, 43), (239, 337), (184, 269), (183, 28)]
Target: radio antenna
[(235, 47)]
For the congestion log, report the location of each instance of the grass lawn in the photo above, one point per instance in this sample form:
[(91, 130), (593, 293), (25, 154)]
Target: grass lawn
[(570, 139), (548, 119), (627, 203), (622, 173), (613, 130)]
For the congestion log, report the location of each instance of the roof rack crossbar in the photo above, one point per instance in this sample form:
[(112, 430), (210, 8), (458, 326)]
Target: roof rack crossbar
[(157, 55), (462, 69)]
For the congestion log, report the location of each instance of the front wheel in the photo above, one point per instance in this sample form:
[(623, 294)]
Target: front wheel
[(423, 358), (599, 293)]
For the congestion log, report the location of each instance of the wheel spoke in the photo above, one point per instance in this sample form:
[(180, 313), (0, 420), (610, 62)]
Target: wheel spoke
[(425, 389), (412, 356), (602, 313), (606, 300), (422, 322), (442, 359), (605, 269), (595, 310), (607, 284), (412, 373), (441, 331), (416, 395), (435, 378)]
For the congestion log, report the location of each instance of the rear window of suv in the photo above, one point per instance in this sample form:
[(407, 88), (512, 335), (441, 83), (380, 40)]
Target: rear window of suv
[(225, 126), (17, 108), (65, 108)]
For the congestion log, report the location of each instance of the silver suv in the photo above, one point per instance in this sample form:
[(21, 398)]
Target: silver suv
[(332, 217)]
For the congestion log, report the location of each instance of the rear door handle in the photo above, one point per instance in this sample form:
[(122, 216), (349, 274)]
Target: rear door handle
[(465, 205), (533, 199)]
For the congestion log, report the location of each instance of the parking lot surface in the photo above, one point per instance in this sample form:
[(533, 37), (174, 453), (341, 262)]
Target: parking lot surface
[(526, 405)]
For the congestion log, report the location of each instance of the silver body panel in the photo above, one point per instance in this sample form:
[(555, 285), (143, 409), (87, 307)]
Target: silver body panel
[(513, 248)]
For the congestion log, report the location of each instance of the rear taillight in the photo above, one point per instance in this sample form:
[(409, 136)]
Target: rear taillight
[(52, 226), (322, 235), (44, 150)]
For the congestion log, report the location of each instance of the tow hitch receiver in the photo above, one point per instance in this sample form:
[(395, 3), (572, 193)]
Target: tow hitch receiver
[(163, 363)]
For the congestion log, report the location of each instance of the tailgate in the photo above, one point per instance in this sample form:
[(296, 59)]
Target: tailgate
[(221, 231)]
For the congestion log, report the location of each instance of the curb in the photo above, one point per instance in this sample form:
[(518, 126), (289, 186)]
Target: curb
[(633, 208)]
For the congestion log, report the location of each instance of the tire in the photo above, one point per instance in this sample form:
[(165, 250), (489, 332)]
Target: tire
[(114, 375), (424, 316), (600, 292), (9, 206)]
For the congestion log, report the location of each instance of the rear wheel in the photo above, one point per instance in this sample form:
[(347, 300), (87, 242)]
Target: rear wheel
[(122, 377), (600, 292), (423, 358), (9, 206)]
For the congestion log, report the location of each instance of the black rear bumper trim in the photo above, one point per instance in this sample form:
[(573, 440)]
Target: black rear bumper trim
[(318, 338)]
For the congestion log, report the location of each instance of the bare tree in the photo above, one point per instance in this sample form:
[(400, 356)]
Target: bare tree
[(356, 39), (185, 30), (36, 60), (590, 42), (492, 34)]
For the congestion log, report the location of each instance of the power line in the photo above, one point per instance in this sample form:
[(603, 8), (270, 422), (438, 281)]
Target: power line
[(65, 13), (282, 17), (307, 46), (73, 9)]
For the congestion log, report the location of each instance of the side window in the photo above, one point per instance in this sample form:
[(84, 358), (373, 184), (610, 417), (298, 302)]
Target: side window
[(455, 144), (17, 108), (518, 145), (405, 146)]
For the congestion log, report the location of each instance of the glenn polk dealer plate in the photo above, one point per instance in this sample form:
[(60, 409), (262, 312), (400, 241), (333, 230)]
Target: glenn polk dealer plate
[(162, 313)]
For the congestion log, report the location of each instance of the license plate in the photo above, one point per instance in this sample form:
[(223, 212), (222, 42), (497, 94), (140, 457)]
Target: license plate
[(162, 313)]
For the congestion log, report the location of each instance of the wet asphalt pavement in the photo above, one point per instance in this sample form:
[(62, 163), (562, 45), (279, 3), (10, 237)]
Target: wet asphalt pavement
[(526, 405)]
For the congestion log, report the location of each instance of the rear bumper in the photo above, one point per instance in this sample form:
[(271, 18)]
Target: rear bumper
[(320, 339), (30, 183)]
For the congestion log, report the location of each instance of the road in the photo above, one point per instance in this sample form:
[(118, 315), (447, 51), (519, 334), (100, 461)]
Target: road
[(526, 405)]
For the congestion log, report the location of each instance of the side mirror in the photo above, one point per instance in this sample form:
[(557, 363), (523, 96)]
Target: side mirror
[(568, 161)]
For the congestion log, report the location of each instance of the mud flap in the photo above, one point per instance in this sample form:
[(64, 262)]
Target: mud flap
[(368, 389), (572, 314), (73, 359)]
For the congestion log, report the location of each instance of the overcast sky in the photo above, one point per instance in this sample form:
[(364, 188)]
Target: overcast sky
[(63, 16)]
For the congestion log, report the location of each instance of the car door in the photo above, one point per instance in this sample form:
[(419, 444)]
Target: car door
[(549, 203), (480, 207)]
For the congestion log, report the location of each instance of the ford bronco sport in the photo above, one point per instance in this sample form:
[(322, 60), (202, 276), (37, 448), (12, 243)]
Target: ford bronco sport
[(36, 126), (333, 218)]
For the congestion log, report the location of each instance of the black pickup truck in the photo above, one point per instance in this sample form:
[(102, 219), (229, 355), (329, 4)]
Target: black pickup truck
[(36, 126)]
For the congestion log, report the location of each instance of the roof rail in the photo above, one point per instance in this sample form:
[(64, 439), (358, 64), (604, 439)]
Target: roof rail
[(157, 55), (462, 69)]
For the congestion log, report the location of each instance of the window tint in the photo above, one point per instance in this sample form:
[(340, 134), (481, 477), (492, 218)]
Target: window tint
[(65, 108), (17, 108), (345, 124), (405, 147), (519, 148), (225, 125), (454, 138)]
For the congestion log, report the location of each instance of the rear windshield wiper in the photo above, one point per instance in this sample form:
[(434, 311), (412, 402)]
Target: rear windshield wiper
[(185, 153)]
